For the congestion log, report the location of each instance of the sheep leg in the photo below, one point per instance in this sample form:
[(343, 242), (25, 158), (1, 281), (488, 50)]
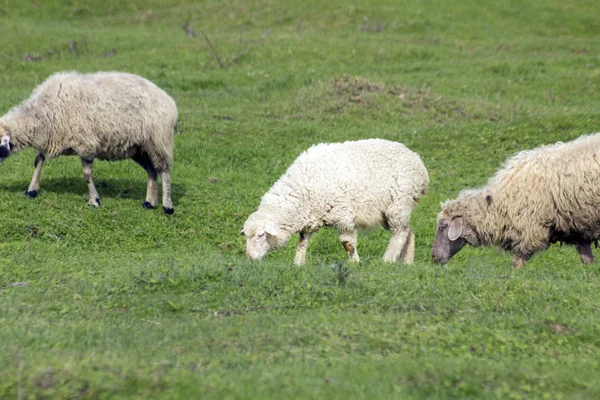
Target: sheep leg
[(396, 245), (165, 177), (519, 260), (152, 189), (88, 167), (408, 252), (397, 219), (584, 248), (348, 240), (300, 258), (34, 186)]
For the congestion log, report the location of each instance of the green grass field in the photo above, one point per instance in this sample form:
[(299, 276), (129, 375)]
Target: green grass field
[(121, 302)]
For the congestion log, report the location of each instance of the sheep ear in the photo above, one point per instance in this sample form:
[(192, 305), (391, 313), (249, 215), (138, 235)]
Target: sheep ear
[(271, 228), (456, 229)]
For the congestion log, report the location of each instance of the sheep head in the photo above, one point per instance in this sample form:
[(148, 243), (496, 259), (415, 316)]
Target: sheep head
[(455, 226), (462, 221), (263, 235), (449, 238)]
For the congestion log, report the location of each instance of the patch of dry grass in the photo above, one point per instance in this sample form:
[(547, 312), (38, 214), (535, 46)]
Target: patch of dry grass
[(357, 94)]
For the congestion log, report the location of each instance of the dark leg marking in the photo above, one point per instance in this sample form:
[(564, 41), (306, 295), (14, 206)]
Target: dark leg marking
[(349, 248), (31, 194), (144, 161), (40, 157)]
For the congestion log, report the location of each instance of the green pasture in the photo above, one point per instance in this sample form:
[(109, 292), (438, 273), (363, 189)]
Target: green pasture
[(122, 302)]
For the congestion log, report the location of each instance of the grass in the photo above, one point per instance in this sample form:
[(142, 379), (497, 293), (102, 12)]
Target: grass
[(123, 302)]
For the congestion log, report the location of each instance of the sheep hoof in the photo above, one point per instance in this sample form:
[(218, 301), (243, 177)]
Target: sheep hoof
[(31, 194), (94, 203), (168, 211), (148, 206)]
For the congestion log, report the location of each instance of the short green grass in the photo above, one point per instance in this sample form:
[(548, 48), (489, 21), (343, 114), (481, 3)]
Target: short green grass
[(122, 302)]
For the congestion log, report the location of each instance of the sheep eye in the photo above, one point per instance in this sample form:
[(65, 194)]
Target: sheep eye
[(261, 235)]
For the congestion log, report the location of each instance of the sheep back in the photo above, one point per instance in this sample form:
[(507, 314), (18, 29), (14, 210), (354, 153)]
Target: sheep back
[(539, 196), (362, 178), (107, 115)]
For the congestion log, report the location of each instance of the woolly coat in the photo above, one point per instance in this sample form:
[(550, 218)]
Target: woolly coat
[(539, 196), (109, 115), (349, 186)]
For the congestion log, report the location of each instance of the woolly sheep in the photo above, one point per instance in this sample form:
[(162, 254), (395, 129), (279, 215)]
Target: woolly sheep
[(104, 115), (348, 186), (539, 197)]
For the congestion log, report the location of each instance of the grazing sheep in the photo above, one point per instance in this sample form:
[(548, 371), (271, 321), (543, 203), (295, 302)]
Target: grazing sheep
[(348, 186), (105, 115), (539, 197)]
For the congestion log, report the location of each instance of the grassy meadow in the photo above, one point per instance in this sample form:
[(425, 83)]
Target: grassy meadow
[(122, 302)]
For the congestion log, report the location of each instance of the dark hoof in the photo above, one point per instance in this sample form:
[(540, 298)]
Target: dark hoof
[(31, 194), (95, 203), (168, 211), (147, 205)]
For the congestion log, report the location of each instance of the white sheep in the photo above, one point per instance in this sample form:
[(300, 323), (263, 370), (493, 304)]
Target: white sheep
[(348, 186), (104, 115), (539, 197)]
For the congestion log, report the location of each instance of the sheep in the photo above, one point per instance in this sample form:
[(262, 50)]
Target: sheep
[(348, 186), (539, 197), (104, 115)]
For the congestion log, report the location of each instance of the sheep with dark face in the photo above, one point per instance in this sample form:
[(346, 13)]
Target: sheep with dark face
[(541, 196), (348, 186), (104, 115)]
